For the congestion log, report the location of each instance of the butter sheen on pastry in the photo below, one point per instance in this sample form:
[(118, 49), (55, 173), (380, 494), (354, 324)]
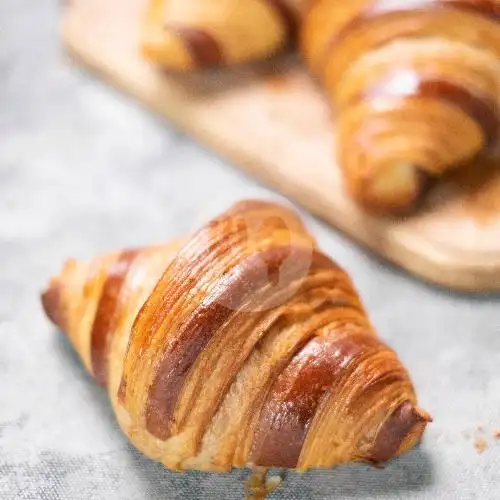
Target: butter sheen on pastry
[(415, 85), (239, 345)]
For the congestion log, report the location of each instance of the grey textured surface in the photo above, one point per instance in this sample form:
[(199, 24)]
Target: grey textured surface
[(82, 170)]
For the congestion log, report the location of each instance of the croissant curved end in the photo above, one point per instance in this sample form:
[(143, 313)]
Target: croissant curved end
[(52, 303), (394, 191), (399, 433), (185, 39), (167, 49)]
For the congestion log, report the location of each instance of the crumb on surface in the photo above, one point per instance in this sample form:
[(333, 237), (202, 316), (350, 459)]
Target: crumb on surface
[(258, 486), (481, 446), (496, 434)]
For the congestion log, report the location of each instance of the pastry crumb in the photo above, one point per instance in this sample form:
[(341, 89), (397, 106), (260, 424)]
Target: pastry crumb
[(496, 434), (258, 486), (481, 446)]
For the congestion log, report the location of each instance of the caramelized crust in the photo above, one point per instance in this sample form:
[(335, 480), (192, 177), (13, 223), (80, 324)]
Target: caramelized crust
[(107, 314), (240, 345), (416, 87)]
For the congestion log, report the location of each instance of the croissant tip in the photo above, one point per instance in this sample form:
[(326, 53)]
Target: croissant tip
[(400, 200), (399, 433), (181, 48), (423, 414), (51, 302)]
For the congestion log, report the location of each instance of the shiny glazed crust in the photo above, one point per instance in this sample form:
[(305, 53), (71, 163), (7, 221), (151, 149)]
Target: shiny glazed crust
[(415, 84), (239, 345)]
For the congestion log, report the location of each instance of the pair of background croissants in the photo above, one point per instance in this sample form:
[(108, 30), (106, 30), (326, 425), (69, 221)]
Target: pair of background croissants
[(415, 83), (241, 345)]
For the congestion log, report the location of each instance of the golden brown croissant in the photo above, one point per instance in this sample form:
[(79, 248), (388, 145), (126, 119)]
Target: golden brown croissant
[(416, 84), (192, 34), (241, 345)]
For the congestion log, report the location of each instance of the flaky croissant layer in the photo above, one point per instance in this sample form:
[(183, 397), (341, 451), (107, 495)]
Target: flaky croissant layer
[(240, 345), (416, 84)]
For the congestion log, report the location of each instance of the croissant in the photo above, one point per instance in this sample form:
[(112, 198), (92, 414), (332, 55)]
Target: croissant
[(194, 34), (416, 87), (240, 345)]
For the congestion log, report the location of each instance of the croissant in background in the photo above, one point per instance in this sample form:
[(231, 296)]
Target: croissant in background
[(416, 84), (194, 34), (240, 345)]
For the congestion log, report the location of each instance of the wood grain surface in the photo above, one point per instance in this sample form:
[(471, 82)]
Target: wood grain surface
[(272, 121)]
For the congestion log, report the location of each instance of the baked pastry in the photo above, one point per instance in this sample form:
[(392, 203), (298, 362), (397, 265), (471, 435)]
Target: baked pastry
[(240, 345), (195, 34), (416, 87)]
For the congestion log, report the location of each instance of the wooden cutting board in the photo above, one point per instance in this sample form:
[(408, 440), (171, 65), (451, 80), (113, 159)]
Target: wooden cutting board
[(273, 122)]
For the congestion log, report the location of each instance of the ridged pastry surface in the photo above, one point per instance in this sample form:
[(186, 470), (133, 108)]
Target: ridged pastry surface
[(241, 344), (416, 85)]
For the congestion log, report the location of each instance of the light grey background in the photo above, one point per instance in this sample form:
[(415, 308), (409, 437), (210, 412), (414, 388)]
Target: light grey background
[(83, 170)]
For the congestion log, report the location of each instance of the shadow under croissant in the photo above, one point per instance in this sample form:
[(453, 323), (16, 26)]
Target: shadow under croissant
[(212, 82), (410, 472)]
